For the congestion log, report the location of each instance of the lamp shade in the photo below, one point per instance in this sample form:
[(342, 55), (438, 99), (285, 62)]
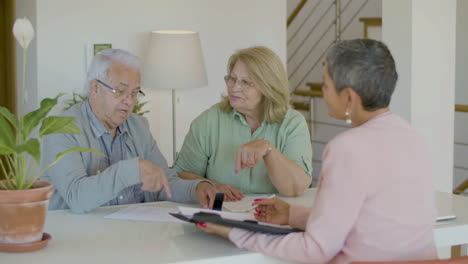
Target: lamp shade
[(174, 60)]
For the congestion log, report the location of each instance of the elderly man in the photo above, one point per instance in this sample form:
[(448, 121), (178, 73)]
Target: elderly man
[(133, 169)]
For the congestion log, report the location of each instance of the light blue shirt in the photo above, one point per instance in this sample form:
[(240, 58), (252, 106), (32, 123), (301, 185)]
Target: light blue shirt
[(84, 180), (114, 150)]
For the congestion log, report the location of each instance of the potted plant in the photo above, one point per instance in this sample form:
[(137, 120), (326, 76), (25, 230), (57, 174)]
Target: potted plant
[(24, 198)]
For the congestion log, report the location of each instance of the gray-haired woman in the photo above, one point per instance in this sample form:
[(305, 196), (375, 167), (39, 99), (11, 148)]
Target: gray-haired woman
[(374, 200)]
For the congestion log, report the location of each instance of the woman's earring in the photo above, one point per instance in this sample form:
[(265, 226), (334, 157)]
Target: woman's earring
[(348, 118)]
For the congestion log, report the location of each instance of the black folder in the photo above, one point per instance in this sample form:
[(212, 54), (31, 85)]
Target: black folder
[(246, 224)]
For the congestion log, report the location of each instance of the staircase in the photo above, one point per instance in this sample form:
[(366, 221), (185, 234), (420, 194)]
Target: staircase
[(313, 27)]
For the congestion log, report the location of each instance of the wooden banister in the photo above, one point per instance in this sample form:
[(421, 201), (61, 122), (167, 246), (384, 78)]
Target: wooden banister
[(461, 108), (461, 188), (370, 22), (301, 106), (316, 91), (296, 11)]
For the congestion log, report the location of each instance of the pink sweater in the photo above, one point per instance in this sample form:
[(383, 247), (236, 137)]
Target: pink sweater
[(374, 201)]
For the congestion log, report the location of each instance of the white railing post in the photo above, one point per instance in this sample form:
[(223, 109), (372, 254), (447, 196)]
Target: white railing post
[(337, 20)]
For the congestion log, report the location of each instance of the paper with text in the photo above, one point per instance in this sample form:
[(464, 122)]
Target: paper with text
[(146, 213), (244, 205)]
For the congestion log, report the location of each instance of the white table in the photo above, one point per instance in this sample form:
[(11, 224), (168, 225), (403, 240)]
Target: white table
[(90, 238), (453, 232)]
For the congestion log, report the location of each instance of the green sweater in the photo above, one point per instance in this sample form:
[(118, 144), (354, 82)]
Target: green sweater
[(211, 144)]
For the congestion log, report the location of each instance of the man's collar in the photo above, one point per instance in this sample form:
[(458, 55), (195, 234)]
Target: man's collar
[(97, 127)]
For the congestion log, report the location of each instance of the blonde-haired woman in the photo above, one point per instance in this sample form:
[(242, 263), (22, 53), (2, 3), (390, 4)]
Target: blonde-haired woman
[(250, 142)]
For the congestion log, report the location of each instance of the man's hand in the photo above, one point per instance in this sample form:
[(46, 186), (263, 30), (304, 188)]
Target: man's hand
[(153, 178), (249, 154), (231, 193), (274, 211), (206, 194)]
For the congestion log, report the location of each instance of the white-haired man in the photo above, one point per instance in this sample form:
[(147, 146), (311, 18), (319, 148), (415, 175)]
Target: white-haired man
[(133, 169)]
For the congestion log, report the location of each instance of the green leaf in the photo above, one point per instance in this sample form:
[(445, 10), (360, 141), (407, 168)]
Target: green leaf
[(76, 98), (33, 147), (9, 116), (34, 118), (58, 125), (79, 149), (137, 108), (143, 113), (7, 137), (5, 150)]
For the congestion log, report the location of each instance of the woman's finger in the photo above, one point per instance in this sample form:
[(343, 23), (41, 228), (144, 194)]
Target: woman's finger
[(256, 157), (245, 159), (271, 201), (238, 161), (251, 158), (238, 194), (227, 192), (234, 193)]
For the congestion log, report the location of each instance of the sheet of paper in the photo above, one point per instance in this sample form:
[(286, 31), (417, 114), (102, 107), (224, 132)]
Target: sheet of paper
[(244, 205), (146, 213)]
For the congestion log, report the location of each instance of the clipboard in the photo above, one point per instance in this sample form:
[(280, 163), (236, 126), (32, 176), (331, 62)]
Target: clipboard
[(249, 225)]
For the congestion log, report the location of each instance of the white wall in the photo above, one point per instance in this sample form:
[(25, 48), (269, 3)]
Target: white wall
[(65, 27), (421, 36), (461, 76)]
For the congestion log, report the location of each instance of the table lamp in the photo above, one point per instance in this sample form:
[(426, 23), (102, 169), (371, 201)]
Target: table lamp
[(174, 60)]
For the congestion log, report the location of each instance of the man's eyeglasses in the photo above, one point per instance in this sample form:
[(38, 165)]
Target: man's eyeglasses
[(243, 84), (118, 94)]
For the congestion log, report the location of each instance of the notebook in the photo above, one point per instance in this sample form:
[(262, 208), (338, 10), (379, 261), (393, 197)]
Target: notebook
[(240, 220)]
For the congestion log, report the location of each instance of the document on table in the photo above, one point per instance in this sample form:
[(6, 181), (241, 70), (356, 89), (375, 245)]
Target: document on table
[(244, 205), (146, 213)]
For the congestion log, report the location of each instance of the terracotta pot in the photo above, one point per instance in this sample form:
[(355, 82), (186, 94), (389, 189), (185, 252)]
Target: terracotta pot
[(23, 213)]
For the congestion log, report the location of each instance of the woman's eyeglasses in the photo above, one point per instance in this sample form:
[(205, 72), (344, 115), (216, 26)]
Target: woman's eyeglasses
[(244, 85)]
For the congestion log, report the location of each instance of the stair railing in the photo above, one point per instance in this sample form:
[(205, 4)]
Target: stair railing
[(338, 31)]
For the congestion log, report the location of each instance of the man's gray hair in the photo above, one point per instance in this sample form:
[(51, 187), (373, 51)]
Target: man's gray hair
[(366, 66), (101, 63)]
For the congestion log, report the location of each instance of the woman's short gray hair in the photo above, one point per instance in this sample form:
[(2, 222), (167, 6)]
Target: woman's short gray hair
[(366, 66), (101, 63)]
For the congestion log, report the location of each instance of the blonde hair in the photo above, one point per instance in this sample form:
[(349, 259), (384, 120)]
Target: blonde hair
[(270, 78)]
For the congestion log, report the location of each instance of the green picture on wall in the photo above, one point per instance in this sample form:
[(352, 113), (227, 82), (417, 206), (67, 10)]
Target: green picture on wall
[(99, 47)]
